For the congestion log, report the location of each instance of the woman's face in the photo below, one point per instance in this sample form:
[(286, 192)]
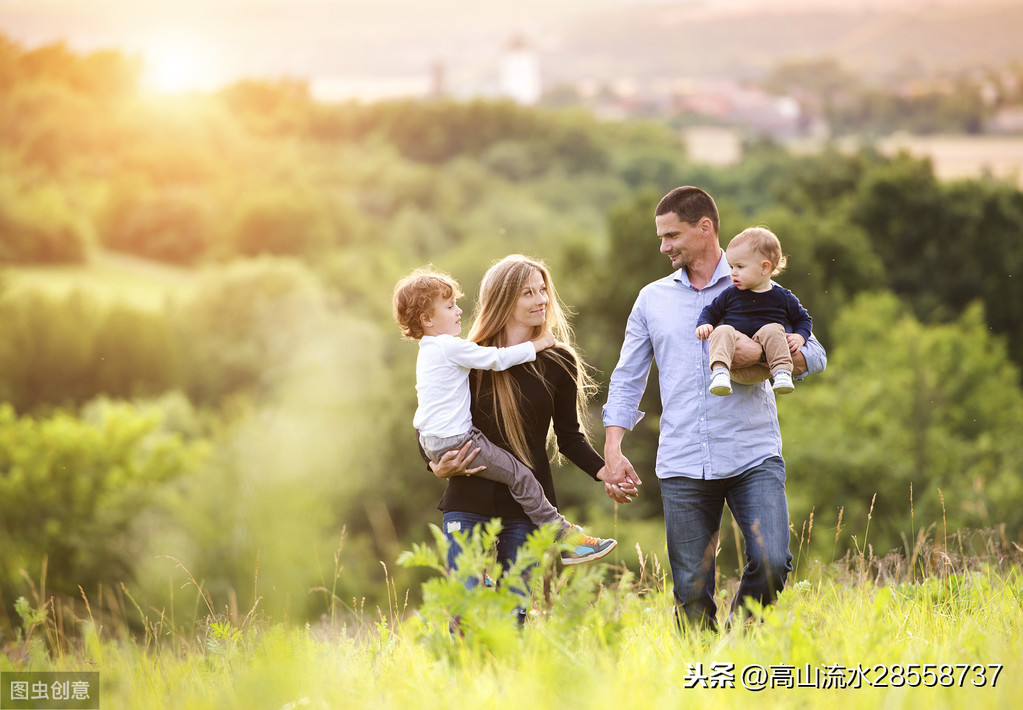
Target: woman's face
[(531, 308)]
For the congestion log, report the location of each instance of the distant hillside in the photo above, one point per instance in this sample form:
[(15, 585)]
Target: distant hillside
[(687, 41), (576, 39)]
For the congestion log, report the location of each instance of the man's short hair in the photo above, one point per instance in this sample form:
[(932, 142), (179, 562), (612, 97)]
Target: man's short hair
[(691, 204)]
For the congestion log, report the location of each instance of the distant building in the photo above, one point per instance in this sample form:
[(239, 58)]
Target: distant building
[(1008, 120), (438, 79), (520, 73)]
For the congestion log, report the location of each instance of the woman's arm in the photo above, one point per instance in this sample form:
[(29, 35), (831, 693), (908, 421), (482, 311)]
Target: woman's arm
[(572, 443)]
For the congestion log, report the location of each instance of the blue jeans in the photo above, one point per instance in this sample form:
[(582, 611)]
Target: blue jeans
[(692, 518), (514, 532)]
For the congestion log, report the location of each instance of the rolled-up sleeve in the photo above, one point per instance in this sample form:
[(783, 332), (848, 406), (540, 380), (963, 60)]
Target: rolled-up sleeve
[(629, 379), (816, 357)]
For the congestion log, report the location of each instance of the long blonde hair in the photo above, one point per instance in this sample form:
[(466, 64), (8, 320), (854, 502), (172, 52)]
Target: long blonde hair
[(499, 294)]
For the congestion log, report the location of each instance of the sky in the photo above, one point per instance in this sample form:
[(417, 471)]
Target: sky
[(390, 44)]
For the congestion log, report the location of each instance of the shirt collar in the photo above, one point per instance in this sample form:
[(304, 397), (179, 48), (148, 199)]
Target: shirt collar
[(721, 271)]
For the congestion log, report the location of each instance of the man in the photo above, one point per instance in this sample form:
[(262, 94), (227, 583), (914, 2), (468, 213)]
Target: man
[(712, 450)]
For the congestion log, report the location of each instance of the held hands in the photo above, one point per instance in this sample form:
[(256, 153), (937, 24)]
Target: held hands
[(620, 479), (703, 332), (544, 341)]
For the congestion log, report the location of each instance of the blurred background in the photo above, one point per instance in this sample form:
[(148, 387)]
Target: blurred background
[(204, 208)]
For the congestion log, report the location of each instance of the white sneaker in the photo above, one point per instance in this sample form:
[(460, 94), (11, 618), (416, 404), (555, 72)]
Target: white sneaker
[(721, 383), (782, 382)]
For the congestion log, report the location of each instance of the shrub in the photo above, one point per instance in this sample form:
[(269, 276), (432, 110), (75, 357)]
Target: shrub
[(73, 489)]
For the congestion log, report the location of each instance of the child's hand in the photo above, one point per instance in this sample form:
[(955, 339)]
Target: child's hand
[(703, 332), (544, 341), (796, 341)]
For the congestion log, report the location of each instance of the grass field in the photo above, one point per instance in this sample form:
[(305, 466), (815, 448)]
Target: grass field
[(840, 633), (961, 157), (108, 276)]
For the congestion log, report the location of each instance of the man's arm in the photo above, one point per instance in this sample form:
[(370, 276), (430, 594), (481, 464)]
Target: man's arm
[(621, 413)]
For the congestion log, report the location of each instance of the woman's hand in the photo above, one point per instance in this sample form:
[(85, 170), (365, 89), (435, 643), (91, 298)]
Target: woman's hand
[(618, 492), (456, 462)]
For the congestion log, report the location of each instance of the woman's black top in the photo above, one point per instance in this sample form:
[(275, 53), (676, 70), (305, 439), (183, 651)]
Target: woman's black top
[(546, 392)]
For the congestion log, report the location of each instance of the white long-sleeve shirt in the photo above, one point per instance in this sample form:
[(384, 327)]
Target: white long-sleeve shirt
[(442, 380)]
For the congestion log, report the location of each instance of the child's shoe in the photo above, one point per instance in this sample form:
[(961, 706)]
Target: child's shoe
[(721, 383), (782, 382), (586, 548)]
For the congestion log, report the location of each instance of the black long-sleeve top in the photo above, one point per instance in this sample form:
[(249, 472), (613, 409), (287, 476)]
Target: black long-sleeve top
[(540, 404)]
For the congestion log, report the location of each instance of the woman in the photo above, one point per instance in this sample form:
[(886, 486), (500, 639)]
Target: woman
[(516, 408)]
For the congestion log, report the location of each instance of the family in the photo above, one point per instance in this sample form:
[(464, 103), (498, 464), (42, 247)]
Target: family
[(726, 339)]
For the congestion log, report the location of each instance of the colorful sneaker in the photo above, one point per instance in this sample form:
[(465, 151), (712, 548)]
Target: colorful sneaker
[(782, 382), (587, 549), (721, 383)]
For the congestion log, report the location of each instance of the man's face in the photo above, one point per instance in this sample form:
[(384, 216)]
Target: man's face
[(679, 239)]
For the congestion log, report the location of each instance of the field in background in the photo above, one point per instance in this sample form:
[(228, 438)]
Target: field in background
[(954, 157), (109, 277)]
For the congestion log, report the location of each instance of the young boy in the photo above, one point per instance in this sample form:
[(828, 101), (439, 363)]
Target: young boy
[(425, 308), (757, 307)]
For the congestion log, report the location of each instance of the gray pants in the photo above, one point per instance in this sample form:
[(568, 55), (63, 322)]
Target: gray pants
[(504, 468)]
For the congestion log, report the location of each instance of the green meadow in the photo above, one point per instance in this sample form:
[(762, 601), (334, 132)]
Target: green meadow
[(941, 630)]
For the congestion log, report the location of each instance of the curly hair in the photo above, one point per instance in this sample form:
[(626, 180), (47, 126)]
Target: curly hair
[(415, 295)]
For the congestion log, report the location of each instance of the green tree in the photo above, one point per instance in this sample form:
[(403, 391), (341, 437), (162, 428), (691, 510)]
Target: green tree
[(903, 404), (281, 222), (829, 262), (73, 490), (39, 225), (47, 352), (172, 225), (240, 328)]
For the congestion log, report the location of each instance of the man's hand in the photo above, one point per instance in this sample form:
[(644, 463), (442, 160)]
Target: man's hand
[(747, 352), (703, 332), (619, 493), (795, 341), (456, 462), (619, 477)]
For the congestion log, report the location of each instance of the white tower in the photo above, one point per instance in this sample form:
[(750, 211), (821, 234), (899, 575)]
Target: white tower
[(520, 73)]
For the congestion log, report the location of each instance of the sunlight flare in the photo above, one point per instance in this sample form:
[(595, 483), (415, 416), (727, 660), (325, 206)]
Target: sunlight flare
[(177, 65)]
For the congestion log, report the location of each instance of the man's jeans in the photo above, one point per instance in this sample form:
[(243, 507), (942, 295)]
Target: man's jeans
[(692, 517)]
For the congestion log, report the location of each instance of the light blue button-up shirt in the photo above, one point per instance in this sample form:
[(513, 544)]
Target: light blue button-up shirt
[(701, 435)]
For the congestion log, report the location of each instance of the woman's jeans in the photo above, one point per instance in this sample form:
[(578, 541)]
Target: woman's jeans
[(514, 532), (692, 518)]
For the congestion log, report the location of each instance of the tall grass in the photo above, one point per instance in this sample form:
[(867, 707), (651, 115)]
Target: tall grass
[(945, 611)]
